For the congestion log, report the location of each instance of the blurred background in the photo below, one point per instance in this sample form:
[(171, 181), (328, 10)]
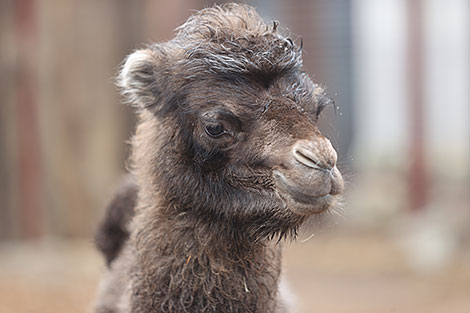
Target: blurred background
[(399, 71)]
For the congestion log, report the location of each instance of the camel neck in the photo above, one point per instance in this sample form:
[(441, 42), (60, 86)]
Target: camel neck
[(184, 267)]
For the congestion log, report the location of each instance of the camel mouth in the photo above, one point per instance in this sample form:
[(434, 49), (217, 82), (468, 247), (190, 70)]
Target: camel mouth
[(302, 200)]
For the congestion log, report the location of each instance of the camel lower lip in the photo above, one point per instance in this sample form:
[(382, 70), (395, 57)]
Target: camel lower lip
[(303, 200)]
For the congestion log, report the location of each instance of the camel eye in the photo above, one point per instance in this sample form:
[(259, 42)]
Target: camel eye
[(214, 130)]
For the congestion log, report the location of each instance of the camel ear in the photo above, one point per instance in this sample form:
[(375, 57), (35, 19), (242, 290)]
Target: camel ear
[(138, 76)]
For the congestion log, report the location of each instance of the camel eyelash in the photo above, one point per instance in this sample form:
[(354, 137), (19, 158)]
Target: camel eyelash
[(323, 103)]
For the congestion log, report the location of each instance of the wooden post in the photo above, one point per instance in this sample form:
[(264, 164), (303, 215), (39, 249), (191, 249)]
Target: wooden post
[(30, 189), (418, 184)]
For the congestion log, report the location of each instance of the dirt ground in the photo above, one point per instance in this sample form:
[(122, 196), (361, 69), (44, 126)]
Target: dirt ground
[(332, 273)]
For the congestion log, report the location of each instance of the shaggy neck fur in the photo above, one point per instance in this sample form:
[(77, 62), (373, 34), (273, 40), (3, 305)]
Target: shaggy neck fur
[(184, 267)]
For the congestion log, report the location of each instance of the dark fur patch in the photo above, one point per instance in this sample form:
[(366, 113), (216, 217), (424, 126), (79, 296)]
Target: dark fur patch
[(113, 230)]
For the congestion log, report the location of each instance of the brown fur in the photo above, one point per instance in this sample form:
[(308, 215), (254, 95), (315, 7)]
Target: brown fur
[(228, 161)]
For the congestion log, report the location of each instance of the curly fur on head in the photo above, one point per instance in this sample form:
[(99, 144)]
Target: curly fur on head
[(227, 157), (238, 43)]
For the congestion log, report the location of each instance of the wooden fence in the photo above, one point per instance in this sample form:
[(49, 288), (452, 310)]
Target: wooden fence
[(62, 128)]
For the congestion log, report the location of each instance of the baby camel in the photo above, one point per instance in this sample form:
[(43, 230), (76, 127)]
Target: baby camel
[(226, 161)]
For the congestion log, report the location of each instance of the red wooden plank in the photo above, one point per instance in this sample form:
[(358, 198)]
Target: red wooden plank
[(418, 176), (30, 172)]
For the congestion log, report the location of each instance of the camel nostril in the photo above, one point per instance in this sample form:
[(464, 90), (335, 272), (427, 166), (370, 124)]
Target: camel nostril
[(307, 157), (318, 154)]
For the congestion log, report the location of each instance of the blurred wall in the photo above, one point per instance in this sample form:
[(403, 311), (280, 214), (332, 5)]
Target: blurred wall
[(393, 70), (63, 131), (382, 78)]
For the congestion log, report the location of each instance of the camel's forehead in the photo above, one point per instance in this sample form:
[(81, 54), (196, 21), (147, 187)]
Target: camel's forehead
[(245, 95)]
